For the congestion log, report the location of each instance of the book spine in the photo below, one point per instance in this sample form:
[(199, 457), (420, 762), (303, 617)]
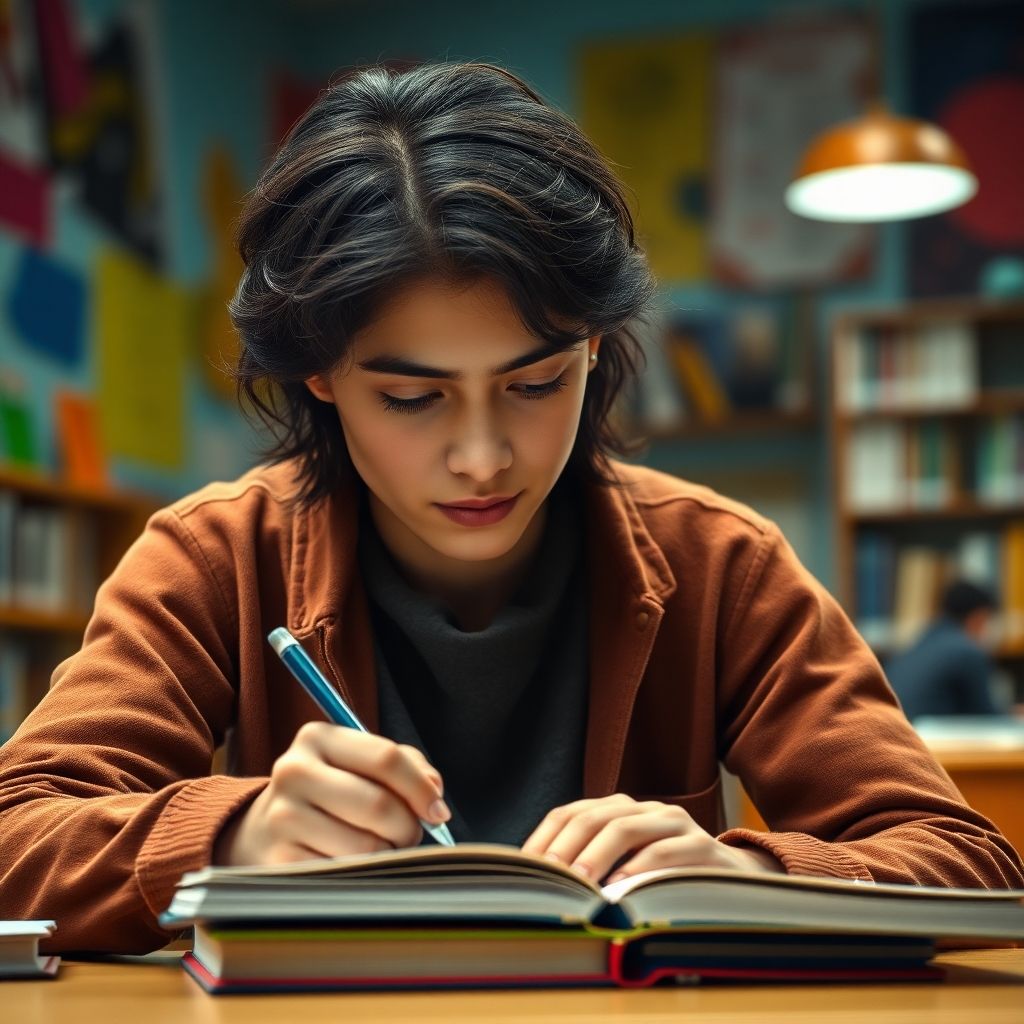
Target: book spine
[(13, 687), (8, 516), (30, 539), (1013, 584), (698, 381)]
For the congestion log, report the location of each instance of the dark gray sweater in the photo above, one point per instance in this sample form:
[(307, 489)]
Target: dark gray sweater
[(501, 713)]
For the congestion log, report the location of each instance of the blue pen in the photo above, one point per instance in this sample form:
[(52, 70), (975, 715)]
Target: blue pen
[(299, 663)]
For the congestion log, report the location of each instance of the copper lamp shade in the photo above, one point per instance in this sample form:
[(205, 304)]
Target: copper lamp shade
[(878, 168)]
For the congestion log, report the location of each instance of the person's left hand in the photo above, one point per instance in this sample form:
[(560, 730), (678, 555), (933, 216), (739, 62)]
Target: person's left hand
[(592, 836)]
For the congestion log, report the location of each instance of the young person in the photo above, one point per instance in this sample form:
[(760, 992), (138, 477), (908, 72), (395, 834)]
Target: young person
[(554, 648), (947, 670)]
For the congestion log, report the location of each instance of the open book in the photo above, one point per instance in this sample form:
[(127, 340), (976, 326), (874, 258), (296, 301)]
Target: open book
[(487, 913)]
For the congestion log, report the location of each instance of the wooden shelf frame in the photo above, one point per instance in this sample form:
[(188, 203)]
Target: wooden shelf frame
[(963, 510), (117, 519)]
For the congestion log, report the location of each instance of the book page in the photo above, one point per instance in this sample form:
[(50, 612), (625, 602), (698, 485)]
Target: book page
[(483, 858), (616, 891)]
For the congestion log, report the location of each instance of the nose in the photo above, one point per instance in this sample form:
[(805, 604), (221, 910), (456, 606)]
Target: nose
[(480, 449)]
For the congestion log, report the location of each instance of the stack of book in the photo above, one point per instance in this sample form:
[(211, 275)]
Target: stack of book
[(19, 950), (894, 367), (482, 915), (48, 556)]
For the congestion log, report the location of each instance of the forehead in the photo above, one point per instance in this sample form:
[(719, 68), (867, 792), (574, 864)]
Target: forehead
[(433, 316)]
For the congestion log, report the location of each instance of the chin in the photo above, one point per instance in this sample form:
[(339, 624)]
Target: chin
[(477, 549), (476, 544)]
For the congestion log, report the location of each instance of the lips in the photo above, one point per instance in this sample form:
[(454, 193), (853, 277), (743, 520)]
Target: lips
[(478, 503), (483, 511)]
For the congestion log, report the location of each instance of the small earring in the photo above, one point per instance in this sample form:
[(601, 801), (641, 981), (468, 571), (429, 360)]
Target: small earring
[(593, 357)]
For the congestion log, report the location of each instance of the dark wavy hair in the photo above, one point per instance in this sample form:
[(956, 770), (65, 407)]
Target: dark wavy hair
[(457, 170)]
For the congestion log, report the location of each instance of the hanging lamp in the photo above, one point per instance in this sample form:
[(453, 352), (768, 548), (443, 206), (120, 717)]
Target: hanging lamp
[(880, 167)]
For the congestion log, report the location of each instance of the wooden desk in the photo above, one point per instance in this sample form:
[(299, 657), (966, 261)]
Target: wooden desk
[(991, 780), (982, 984)]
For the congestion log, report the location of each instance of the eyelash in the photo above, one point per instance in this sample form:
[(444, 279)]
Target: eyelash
[(531, 392)]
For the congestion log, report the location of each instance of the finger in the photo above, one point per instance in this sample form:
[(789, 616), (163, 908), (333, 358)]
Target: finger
[(302, 831), (395, 766), (629, 833), (556, 820), (360, 802), (432, 773), (688, 851), (581, 830)]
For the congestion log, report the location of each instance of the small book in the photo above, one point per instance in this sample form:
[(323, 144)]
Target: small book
[(482, 915), (19, 950)]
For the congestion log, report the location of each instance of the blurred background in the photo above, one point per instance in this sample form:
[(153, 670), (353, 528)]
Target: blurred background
[(858, 379)]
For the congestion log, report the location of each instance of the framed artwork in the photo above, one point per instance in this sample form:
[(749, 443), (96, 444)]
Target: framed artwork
[(778, 86)]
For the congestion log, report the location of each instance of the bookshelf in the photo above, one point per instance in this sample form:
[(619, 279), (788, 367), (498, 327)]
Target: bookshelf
[(58, 542), (928, 457), (732, 371)]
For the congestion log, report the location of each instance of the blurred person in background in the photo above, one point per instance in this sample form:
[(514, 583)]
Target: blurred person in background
[(948, 669)]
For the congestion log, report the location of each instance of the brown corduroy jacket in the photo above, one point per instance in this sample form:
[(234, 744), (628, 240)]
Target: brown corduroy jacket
[(708, 641)]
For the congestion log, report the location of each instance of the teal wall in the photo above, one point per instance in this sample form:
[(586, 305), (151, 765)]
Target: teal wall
[(209, 65), (212, 63)]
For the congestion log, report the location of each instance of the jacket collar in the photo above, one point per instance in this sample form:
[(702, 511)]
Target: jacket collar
[(629, 580)]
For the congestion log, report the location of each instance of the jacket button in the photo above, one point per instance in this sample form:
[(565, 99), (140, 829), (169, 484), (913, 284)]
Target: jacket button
[(641, 619)]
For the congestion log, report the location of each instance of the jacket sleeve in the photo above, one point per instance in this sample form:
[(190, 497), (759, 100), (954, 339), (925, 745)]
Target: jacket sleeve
[(106, 796), (814, 732)]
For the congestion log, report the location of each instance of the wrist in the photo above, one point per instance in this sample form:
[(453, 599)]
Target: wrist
[(228, 844), (762, 861), (223, 853)]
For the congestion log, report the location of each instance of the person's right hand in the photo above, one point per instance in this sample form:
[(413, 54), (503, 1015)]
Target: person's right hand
[(335, 791)]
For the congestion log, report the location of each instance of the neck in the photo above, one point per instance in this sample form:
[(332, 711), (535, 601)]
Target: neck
[(474, 592)]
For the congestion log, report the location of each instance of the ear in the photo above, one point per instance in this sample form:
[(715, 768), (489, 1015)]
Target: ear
[(320, 387), (593, 344)]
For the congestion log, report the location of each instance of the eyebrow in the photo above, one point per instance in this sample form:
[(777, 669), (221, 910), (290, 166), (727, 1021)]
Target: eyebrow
[(408, 368)]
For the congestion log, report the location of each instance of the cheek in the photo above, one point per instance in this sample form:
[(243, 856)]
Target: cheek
[(543, 435), (385, 453)]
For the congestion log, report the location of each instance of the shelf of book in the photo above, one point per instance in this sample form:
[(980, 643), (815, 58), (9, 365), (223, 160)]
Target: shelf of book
[(983, 405), (58, 541), (928, 456), (16, 618), (960, 509)]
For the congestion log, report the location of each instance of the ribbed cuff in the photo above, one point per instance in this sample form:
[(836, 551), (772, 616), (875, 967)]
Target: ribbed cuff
[(800, 853), (182, 838)]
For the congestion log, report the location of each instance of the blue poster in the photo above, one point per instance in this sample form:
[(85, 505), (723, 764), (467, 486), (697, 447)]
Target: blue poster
[(47, 308)]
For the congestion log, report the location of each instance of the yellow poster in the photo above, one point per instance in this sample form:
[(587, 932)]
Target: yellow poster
[(143, 326), (646, 104)]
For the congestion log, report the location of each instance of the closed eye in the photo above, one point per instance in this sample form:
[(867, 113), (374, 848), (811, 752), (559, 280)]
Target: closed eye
[(552, 387), (407, 405), (529, 392)]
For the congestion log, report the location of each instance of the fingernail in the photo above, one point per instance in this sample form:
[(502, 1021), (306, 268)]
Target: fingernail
[(438, 812), (553, 856), (581, 869)]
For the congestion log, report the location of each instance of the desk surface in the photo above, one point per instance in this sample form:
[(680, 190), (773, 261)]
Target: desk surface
[(986, 982)]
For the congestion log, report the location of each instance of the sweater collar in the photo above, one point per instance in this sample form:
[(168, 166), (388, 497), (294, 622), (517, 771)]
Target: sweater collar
[(629, 580), (325, 567)]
